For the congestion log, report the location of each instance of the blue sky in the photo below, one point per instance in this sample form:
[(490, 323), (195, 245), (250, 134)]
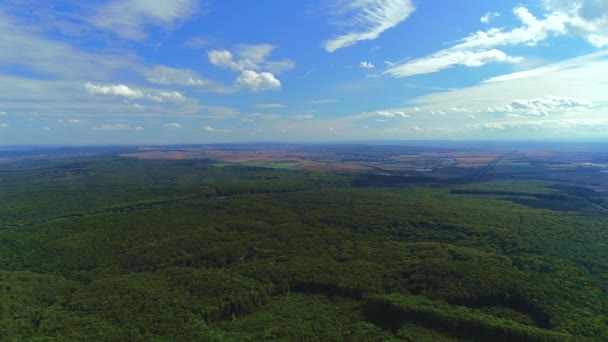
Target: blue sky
[(190, 71)]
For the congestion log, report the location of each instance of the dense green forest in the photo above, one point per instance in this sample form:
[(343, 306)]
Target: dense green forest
[(108, 248)]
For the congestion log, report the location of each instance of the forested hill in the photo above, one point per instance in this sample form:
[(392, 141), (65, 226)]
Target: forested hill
[(105, 248)]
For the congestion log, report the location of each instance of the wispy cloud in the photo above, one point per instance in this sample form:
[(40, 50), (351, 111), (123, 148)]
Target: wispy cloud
[(393, 114), (323, 101), (129, 19), (197, 42), (117, 127), (165, 75), (270, 105), (488, 17), (368, 19), (481, 48), (215, 130)]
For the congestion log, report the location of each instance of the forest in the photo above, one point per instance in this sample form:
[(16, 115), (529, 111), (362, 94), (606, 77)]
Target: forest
[(104, 247)]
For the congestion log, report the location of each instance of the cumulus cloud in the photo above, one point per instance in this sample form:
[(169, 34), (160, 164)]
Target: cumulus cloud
[(173, 125), (542, 106), (542, 125), (215, 130), (128, 19), (249, 57), (170, 95), (120, 90), (585, 18), (256, 72), (254, 81), (368, 20), (366, 65)]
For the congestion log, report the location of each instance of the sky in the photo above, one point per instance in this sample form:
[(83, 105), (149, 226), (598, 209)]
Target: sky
[(208, 71)]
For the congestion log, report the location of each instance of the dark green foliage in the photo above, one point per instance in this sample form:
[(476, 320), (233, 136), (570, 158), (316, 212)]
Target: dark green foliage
[(107, 248)]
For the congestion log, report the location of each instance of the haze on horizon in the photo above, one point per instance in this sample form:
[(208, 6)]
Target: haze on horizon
[(189, 71)]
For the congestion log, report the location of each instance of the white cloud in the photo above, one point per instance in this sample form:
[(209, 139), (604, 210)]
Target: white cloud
[(3, 113), (460, 110), (480, 48), (586, 18), (215, 130), (161, 74), (270, 105), (120, 90), (254, 81), (3, 126), (173, 125), (223, 58), (267, 117), (24, 46), (138, 129), (449, 58), (392, 114), (371, 18), (45, 128), (249, 57), (579, 78), (197, 42), (303, 116), (540, 125), (366, 65), (521, 74), (488, 17), (129, 18), (171, 95), (74, 121), (542, 106), (115, 127), (323, 101)]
